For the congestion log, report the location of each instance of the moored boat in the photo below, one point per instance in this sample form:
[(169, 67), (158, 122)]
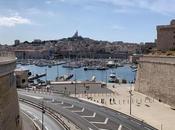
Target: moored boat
[(113, 78)]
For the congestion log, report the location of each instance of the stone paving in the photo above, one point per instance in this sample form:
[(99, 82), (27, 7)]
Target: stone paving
[(145, 108)]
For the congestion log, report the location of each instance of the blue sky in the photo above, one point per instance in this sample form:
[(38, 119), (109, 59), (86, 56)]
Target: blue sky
[(112, 20)]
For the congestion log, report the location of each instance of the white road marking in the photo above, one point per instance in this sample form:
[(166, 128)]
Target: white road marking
[(69, 106), (35, 117), (90, 128), (120, 127), (46, 128), (105, 122), (36, 97), (82, 110), (90, 116)]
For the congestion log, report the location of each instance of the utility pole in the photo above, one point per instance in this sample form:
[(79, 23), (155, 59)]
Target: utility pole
[(43, 111)]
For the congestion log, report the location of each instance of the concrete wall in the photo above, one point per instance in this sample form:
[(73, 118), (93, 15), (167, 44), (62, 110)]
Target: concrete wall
[(69, 88), (156, 78), (9, 108)]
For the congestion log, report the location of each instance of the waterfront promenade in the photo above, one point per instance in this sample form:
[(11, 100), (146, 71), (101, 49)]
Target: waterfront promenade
[(157, 114)]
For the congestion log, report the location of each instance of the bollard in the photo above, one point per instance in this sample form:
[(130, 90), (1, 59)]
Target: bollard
[(123, 101)]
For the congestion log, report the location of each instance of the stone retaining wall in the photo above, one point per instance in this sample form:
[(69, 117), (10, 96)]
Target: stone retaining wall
[(156, 78)]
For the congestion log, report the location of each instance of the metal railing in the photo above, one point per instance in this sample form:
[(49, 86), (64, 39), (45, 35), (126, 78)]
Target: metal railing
[(48, 110)]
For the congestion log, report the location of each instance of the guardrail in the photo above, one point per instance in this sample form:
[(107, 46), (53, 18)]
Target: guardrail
[(50, 111)]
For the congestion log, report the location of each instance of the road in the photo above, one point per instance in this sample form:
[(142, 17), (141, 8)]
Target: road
[(86, 115), (36, 116)]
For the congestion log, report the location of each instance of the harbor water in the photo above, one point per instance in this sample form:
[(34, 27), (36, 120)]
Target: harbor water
[(124, 72)]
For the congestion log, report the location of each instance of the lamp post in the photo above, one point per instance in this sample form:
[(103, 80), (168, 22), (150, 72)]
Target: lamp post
[(75, 84), (130, 92), (130, 98), (43, 111), (106, 76)]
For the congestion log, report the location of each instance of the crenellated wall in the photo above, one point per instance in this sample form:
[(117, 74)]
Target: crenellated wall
[(156, 78), (9, 108)]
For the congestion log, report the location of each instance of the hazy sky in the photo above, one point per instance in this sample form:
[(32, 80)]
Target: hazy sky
[(112, 20)]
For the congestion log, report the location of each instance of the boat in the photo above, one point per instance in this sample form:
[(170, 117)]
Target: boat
[(102, 68), (71, 66), (133, 66), (93, 79), (65, 77), (134, 70), (113, 78), (37, 76), (119, 65), (50, 66), (110, 64), (90, 68)]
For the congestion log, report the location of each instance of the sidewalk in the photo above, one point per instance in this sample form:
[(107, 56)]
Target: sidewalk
[(157, 114)]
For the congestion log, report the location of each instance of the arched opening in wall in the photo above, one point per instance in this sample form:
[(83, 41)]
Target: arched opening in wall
[(23, 81)]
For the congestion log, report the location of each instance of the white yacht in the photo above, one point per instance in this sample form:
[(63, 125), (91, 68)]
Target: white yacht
[(113, 78)]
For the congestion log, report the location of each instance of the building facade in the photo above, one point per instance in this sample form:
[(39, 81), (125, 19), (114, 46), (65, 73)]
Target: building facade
[(9, 108), (166, 36), (33, 54)]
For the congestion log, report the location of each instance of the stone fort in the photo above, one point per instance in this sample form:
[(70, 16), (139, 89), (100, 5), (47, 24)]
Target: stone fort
[(156, 78), (9, 108)]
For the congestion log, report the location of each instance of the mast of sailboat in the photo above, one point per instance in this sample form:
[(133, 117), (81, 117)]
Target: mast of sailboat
[(57, 71)]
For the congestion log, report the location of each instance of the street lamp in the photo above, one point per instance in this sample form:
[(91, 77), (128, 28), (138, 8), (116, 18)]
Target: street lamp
[(75, 84), (130, 95), (43, 111), (106, 76)]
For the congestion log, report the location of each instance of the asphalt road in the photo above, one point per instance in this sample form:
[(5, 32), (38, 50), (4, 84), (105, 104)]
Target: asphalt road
[(86, 115), (36, 116)]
